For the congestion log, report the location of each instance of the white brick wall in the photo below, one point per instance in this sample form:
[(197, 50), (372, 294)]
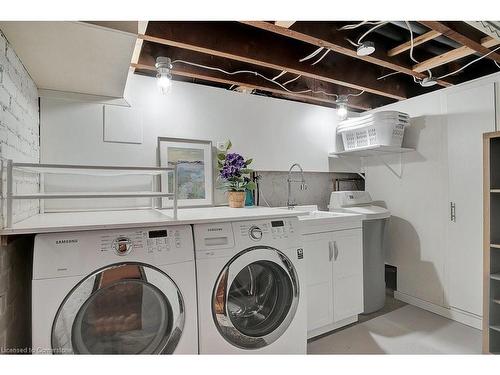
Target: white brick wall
[(19, 140), (19, 125)]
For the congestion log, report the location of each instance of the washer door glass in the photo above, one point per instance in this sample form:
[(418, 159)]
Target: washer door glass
[(255, 298), (122, 309)]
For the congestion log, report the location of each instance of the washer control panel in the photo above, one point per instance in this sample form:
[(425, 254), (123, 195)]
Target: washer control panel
[(151, 241)]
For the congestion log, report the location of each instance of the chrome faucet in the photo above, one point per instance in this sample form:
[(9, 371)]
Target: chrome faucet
[(302, 181)]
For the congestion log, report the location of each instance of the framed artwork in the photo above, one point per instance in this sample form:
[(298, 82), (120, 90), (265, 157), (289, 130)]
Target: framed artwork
[(194, 170)]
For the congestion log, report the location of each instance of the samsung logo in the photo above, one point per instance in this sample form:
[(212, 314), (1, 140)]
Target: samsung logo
[(60, 242), (215, 229)]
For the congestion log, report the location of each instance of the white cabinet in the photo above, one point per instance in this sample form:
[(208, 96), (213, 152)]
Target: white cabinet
[(334, 262), (471, 112), (347, 274), (319, 270)]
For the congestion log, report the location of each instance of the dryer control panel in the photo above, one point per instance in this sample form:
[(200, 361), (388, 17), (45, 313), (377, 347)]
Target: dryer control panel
[(225, 239), (276, 229)]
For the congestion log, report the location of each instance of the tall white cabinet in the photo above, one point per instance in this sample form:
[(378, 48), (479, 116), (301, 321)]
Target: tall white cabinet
[(470, 113), (435, 232)]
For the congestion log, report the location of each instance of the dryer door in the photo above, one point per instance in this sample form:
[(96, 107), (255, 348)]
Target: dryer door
[(255, 297), (126, 308)]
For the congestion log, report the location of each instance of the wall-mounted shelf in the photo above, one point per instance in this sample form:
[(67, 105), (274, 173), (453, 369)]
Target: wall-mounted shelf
[(377, 150)]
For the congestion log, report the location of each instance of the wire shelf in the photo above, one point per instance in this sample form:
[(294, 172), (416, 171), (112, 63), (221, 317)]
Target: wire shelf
[(9, 166)]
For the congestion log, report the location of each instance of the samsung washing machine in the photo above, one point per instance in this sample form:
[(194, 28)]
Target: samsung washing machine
[(251, 291), (124, 291)]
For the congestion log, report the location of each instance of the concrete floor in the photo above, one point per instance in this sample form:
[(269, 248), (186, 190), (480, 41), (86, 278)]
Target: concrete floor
[(399, 329)]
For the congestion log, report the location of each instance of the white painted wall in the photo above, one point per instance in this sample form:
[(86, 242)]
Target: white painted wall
[(274, 132), (419, 197)]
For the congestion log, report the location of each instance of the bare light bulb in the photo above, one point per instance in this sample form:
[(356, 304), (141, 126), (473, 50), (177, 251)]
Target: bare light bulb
[(164, 82), (342, 111), (163, 77)]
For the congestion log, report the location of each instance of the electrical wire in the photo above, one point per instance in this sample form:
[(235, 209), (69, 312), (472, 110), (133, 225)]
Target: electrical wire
[(353, 43), (255, 74), (412, 45), (468, 64), (312, 54), (279, 75), (293, 79), (415, 79), (322, 57), (354, 26), (378, 24), (358, 94), (372, 29), (387, 75)]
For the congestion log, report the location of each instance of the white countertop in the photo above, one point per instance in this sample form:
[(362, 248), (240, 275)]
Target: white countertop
[(94, 220)]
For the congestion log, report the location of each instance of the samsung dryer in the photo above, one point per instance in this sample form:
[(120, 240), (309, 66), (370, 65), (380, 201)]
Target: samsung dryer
[(125, 291), (251, 287)]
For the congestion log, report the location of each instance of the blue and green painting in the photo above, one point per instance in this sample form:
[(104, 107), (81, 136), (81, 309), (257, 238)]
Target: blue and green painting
[(190, 172)]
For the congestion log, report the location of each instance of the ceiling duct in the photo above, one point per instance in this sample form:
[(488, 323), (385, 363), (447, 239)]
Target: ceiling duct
[(491, 28)]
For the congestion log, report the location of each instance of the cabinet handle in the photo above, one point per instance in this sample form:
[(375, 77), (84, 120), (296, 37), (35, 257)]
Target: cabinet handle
[(336, 250), (453, 215), (330, 250)]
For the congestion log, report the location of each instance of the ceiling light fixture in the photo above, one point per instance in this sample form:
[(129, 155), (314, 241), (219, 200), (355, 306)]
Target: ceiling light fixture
[(342, 106), (365, 49), (428, 82), (164, 77)]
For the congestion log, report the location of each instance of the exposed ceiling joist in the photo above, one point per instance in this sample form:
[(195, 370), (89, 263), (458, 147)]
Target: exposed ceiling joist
[(141, 29), (195, 63), (319, 35), (230, 41), (460, 38), (453, 55), (416, 42), (193, 73)]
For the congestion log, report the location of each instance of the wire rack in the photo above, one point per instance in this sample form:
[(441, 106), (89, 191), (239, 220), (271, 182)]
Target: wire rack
[(8, 167)]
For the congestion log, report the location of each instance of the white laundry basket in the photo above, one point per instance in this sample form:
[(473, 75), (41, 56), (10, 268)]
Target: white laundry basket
[(384, 128)]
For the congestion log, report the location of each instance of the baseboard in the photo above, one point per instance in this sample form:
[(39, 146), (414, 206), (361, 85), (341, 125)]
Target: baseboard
[(331, 327), (463, 317)]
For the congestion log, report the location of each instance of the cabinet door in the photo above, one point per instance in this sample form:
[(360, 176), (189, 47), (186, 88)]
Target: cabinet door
[(471, 113), (318, 249), (347, 273)]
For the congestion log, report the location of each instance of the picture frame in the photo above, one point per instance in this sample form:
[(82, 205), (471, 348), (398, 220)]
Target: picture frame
[(194, 170)]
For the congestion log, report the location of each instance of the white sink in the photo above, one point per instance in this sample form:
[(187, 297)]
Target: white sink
[(326, 221)]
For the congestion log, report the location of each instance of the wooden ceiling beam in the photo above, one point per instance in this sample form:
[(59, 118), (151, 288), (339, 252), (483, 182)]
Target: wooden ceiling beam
[(193, 73), (317, 34), (453, 55), (421, 39), (458, 37), (151, 50), (238, 42)]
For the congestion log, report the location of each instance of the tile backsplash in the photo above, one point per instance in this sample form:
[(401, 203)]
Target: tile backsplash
[(273, 188)]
